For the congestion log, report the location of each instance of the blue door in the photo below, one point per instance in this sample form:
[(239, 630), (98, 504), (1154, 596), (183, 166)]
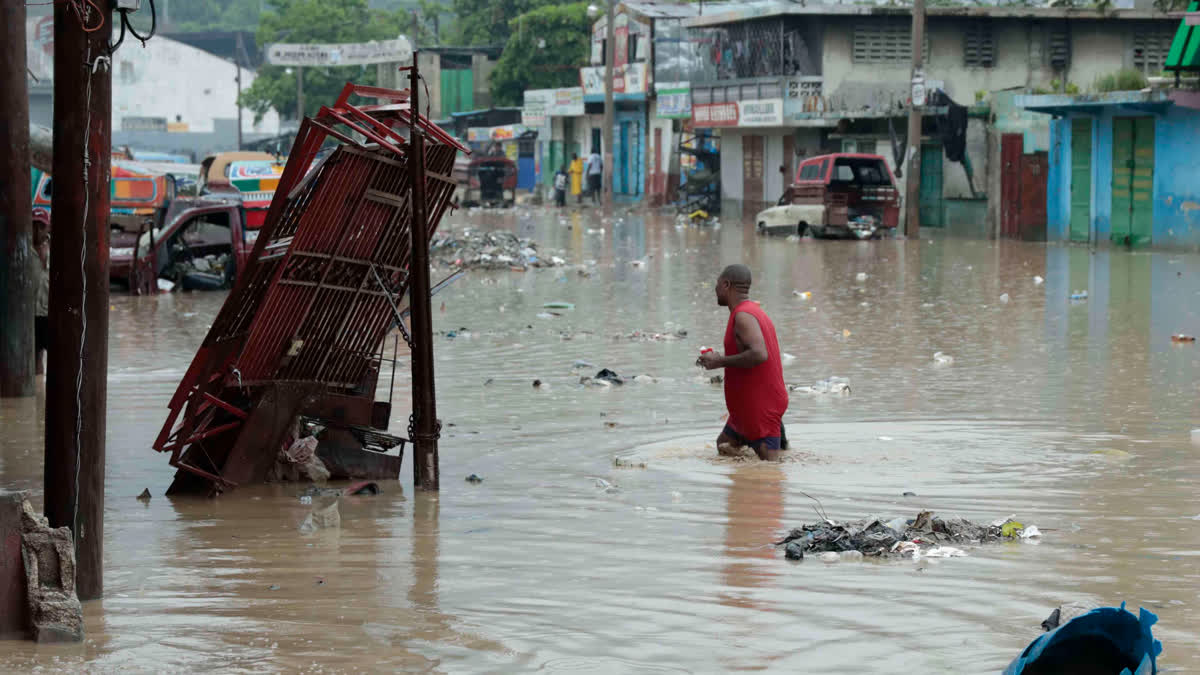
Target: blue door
[(623, 160)]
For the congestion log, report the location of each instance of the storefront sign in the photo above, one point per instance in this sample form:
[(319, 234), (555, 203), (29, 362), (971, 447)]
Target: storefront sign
[(143, 124), (566, 102), (715, 115), (629, 79), (349, 54), (674, 100), (803, 98), (502, 133), (763, 113)]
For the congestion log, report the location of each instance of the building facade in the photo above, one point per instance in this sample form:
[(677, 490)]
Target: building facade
[(1123, 167), (782, 81)]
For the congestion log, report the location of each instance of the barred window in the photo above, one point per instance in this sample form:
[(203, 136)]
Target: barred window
[(1059, 48), (1150, 49), (979, 50), (884, 42)]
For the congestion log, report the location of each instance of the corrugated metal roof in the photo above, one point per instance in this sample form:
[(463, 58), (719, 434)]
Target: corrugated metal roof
[(1183, 55)]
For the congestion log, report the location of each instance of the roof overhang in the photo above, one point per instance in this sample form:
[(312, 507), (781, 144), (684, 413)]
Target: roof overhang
[(1061, 105)]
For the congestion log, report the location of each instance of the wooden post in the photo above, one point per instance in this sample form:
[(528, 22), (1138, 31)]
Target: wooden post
[(76, 384), (912, 192), (425, 428), (16, 206)]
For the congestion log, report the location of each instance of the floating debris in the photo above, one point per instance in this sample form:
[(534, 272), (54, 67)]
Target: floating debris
[(838, 386), (926, 536), (495, 250), (652, 336)]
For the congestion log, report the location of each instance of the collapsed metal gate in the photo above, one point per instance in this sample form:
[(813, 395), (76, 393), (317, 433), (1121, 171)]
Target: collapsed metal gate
[(302, 334)]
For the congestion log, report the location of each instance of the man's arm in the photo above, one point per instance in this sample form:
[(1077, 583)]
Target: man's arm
[(749, 336)]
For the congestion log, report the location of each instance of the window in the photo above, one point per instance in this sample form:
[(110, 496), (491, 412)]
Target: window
[(1150, 49), (810, 171), (884, 41), (631, 54), (1058, 48), (978, 49)]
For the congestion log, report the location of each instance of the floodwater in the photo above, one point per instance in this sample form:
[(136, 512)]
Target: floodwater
[(1074, 416)]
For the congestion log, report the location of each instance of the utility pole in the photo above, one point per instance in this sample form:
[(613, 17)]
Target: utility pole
[(299, 96), (76, 385), (424, 427), (237, 59), (16, 224), (912, 185), (610, 51)]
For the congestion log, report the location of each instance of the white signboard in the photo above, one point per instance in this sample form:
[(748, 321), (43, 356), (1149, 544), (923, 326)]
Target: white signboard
[(350, 54), (566, 102), (627, 79), (763, 113)]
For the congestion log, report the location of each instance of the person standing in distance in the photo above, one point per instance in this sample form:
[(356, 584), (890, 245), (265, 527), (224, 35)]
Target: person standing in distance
[(595, 169), (755, 394)]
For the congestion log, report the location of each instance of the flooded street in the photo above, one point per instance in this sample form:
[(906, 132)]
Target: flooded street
[(1072, 415)]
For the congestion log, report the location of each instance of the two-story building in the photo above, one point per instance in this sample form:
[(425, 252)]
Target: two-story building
[(643, 140), (785, 80)]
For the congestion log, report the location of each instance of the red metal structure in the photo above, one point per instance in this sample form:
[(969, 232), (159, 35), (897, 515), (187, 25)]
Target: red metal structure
[(302, 333)]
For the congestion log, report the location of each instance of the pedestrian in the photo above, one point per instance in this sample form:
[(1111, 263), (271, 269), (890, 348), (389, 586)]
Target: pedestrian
[(577, 178), (595, 169), (755, 394), (560, 187), (41, 295)]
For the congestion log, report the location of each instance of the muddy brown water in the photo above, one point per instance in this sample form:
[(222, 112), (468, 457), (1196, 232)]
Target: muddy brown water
[(1073, 416)]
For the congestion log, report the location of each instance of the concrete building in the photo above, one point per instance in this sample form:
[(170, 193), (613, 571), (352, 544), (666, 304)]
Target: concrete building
[(167, 96), (1123, 167), (644, 137), (457, 77), (836, 78)]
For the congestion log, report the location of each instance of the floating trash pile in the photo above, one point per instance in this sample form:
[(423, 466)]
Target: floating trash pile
[(926, 536), (493, 250), (836, 386)]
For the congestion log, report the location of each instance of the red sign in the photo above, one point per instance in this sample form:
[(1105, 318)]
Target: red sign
[(715, 115)]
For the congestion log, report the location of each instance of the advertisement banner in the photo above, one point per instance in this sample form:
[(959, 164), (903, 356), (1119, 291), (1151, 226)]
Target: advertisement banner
[(674, 100), (629, 80), (715, 115), (566, 102), (350, 54), (764, 113), (506, 132)]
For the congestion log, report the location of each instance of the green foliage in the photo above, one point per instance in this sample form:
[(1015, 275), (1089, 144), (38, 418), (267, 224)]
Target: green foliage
[(1171, 5), (546, 49), (315, 21), (202, 15), (1125, 79), (487, 22)]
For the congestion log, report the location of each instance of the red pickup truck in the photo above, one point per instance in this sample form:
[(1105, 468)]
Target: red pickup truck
[(838, 195), (200, 244)]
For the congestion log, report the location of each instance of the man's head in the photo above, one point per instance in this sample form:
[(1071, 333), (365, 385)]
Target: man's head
[(733, 283)]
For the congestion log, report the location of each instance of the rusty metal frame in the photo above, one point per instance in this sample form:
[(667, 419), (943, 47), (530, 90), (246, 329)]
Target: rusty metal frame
[(317, 297)]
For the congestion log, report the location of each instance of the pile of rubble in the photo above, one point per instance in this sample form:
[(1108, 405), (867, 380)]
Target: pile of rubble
[(926, 536), (493, 250)]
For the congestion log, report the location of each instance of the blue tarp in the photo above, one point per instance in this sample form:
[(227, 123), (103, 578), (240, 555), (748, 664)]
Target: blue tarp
[(1107, 630)]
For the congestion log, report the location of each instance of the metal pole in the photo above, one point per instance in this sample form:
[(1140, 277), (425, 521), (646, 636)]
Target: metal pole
[(610, 52), (424, 426), (76, 386), (16, 225), (912, 185), (299, 95)]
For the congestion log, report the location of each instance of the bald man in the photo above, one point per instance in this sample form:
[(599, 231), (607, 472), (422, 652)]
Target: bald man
[(754, 390)]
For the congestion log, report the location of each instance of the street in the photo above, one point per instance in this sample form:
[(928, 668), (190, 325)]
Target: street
[(606, 536)]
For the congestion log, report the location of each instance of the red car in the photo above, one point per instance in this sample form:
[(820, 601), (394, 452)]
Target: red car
[(843, 195)]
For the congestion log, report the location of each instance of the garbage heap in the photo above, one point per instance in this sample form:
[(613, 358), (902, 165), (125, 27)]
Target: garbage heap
[(925, 536), (495, 250)]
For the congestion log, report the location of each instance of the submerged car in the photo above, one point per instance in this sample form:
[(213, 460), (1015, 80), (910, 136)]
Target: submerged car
[(840, 195)]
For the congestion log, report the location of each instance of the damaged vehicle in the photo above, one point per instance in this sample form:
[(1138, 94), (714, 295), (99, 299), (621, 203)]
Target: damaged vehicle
[(842, 195), (491, 182)]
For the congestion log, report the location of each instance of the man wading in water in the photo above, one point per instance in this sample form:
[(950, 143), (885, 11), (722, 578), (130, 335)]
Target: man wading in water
[(754, 391)]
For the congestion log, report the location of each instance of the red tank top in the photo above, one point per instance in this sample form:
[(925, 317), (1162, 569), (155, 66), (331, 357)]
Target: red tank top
[(756, 397)]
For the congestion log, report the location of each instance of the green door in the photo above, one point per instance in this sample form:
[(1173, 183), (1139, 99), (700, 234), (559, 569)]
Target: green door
[(930, 202), (458, 93), (1081, 178), (1133, 180)]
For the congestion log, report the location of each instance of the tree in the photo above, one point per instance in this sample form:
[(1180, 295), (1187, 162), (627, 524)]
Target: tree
[(545, 50), (315, 21), (487, 22)]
